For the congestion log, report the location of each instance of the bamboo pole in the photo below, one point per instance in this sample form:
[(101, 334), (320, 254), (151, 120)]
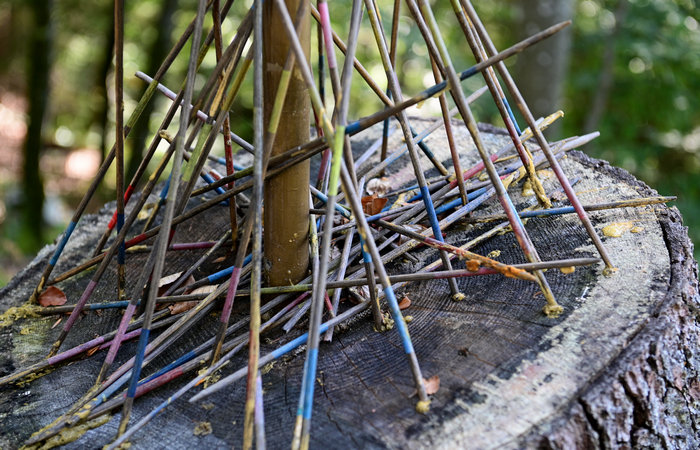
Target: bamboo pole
[(287, 194)]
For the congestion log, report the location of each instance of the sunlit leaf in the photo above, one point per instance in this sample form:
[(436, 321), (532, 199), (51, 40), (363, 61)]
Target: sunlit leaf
[(432, 384), (372, 204)]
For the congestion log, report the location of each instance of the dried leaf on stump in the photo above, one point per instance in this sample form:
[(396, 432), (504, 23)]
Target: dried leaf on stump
[(168, 279), (180, 307), (165, 282), (432, 384), (205, 289), (372, 204), (52, 296)]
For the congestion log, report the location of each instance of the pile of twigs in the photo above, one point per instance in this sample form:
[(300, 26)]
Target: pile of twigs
[(204, 125)]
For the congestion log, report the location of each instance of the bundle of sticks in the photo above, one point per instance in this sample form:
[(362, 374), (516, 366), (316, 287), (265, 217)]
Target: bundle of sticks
[(351, 237)]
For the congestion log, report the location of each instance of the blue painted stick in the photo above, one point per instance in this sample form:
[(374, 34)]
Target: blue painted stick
[(408, 136), (164, 235), (544, 145)]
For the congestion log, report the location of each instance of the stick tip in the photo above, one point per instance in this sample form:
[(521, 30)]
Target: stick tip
[(423, 406), (458, 297), (558, 27), (552, 311)]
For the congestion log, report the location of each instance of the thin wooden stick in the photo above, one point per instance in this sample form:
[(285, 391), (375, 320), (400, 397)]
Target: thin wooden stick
[(392, 57), (502, 104), (256, 207), (633, 202), (119, 133), (447, 119), (544, 145), (552, 308), (268, 141), (228, 150), (301, 430), (165, 234), (408, 137), (259, 415)]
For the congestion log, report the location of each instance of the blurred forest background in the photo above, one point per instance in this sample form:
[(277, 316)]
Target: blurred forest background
[(628, 68)]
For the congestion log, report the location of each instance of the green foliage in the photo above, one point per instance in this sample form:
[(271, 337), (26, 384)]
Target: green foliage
[(651, 125)]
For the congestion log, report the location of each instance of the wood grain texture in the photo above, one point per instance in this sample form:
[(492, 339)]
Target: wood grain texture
[(649, 396), (618, 369)]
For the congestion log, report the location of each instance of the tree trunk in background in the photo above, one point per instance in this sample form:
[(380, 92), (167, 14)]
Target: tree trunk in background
[(540, 71), (102, 114), (156, 55), (607, 76), (39, 65), (7, 32)]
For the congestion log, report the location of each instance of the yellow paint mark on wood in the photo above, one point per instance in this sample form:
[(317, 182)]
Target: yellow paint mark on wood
[(15, 313), (617, 229), (33, 376), (202, 429), (423, 407), (72, 434), (527, 190)]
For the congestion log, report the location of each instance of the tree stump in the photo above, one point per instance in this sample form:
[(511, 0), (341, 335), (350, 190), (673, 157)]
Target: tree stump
[(618, 369)]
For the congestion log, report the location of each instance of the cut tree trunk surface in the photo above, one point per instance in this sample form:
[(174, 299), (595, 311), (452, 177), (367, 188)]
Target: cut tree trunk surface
[(618, 369)]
